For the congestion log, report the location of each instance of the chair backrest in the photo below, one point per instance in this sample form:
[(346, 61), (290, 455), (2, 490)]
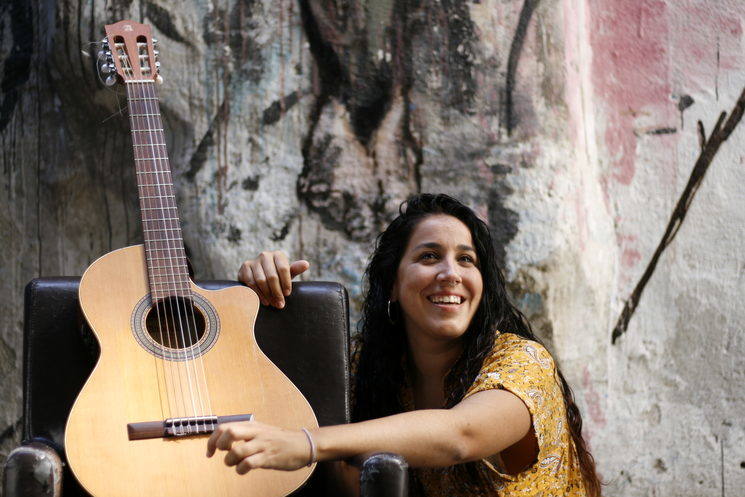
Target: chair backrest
[(308, 340)]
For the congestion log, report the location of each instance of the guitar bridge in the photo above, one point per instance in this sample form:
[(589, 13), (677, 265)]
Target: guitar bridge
[(181, 427)]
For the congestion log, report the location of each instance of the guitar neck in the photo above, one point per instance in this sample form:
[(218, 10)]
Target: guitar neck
[(164, 247)]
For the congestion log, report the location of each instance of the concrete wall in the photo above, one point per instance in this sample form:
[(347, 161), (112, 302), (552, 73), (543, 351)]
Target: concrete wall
[(570, 125)]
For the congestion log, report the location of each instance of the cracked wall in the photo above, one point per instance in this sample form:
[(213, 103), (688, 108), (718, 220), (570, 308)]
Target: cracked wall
[(570, 126)]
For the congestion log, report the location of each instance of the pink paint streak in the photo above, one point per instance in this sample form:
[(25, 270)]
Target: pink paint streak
[(592, 399), (630, 73)]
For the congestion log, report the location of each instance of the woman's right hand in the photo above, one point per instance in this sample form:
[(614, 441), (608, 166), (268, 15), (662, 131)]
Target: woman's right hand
[(270, 276)]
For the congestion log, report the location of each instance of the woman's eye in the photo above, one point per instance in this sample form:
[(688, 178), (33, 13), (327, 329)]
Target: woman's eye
[(468, 259), (428, 256)]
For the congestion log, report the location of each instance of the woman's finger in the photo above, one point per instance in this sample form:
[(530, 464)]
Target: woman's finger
[(251, 462), (251, 283), (261, 284), (225, 434), (272, 279), (283, 270), (241, 450), (298, 267)]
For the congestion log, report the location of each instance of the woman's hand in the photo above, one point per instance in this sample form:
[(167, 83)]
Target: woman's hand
[(252, 445), (270, 276)]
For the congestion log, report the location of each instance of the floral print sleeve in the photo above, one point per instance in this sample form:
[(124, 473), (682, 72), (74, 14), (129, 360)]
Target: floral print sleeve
[(526, 369)]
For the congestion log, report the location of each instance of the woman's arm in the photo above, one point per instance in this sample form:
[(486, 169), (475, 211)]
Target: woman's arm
[(481, 425)]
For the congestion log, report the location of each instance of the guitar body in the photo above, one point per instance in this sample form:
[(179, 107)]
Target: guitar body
[(130, 384)]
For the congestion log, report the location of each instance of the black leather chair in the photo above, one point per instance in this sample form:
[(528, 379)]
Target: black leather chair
[(308, 340)]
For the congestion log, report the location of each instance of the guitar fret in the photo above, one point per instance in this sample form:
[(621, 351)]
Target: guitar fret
[(151, 158), (158, 196), (167, 249), (161, 219), (143, 98), (185, 282), (163, 229), (164, 258), (169, 270), (144, 115), (149, 145), (166, 240), (157, 184), (157, 208)]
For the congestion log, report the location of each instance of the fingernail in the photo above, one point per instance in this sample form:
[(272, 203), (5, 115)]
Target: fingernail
[(281, 304), (286, 292)]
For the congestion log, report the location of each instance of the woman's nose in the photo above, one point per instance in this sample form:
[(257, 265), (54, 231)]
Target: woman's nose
[(449, 273)]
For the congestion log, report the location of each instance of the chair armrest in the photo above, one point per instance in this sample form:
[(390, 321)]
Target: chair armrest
[(33, 470), (383, 474)]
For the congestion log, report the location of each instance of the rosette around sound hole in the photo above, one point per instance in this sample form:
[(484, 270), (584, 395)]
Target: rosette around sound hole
[(176, 328)]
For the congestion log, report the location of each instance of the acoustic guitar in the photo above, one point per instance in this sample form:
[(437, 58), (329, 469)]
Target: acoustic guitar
[(176, 360)]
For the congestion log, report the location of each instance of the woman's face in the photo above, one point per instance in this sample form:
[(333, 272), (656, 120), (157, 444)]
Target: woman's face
[(438, 283)]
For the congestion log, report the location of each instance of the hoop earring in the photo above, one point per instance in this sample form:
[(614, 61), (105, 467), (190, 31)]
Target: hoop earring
[(390, 315)]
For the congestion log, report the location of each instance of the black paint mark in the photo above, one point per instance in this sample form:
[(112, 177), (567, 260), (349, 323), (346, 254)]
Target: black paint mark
[(251, 183), (234, 234), (161, 18), (709, 147), (280, 235), (502, 221), (461, 85), (662, 131), (17, 66), (274, 112), (509, 120), (685, 102), (199, 157), (235, 29)]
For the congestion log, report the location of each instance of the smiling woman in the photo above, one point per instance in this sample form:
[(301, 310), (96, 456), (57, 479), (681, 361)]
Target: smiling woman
[(447, 371)]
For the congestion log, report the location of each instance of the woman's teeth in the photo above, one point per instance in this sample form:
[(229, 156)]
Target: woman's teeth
[(445, 299)]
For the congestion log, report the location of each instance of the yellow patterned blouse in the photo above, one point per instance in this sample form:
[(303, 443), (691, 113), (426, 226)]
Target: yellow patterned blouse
[(526, 369)]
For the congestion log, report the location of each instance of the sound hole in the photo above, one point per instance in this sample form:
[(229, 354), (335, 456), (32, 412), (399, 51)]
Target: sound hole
[(175, 322)]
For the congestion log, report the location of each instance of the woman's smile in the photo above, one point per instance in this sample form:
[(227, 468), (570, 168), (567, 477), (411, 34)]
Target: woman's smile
[(438, 283)]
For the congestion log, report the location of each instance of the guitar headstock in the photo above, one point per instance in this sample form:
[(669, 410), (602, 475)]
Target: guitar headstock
[(129, 53)]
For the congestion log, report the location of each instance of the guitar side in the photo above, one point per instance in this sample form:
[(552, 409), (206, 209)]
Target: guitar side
[(130, 385)]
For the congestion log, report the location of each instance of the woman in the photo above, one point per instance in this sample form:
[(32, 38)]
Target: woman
[(448, 373)]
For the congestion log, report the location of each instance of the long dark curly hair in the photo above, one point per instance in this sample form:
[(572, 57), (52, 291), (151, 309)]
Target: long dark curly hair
[(380, 370)]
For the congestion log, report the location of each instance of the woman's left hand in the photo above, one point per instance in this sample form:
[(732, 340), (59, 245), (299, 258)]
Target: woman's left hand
[(252, 445)]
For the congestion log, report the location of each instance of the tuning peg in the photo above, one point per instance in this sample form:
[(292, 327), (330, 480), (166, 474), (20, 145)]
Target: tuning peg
[(107, 68), (157, 64), (110, 80), (155, 41), (159, 79)]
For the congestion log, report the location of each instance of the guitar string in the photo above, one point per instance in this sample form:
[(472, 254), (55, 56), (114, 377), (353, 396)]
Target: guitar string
[(175, 324), (165, 178), (147, 203), (208, 412), (173, 408), (153, 114)]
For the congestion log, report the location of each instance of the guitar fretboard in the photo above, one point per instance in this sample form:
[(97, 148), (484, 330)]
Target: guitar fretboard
[(164, 247)]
